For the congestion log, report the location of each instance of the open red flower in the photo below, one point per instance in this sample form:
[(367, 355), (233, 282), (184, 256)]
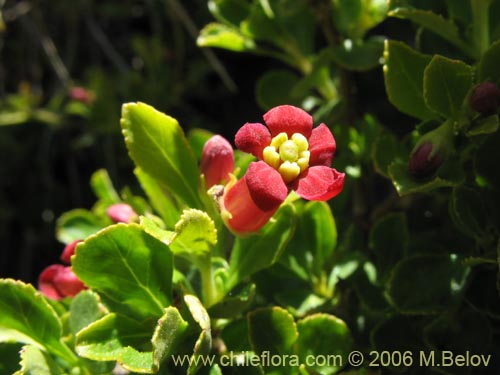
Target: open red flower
[(292, 156)]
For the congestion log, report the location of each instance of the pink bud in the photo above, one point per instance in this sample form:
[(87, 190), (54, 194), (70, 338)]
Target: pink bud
[(121, 213), (217, 161), (422, 164), (68, 251), (81, 94), (46, 282), (485, 98), (67, 283)]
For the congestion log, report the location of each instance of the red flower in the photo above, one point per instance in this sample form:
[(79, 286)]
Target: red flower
[(292, 156), (217, 161), (58, 281)]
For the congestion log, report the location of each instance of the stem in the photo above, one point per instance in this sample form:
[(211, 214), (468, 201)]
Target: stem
[(209, 289), (481, 24)]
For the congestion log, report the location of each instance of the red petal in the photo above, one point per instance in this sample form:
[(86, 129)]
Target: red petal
[(322, 146), (288, 119), (320, 183), (67, 283), (217, 161), (252, 138), (239, 211), (46, 281), (265, 185), (68, 251)]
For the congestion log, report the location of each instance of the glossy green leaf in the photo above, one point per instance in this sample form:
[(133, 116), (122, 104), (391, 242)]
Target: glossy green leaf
[(323, 335), (195, 236), (161, 200), (103, 187), (36, 362), (276, 88), (435, 23), (152, 228), (132, 269), (449, 174), (229, 11), (77, 224), (359, 56), (272, 329), (446, 84), (225, 37), (442, 277), (156, 143), (84, 310), (19, 304), (234, 304), (253, 253), (118, 338), (389, 239), (487, 125), (404, 75), (487, 69), (468, 211)]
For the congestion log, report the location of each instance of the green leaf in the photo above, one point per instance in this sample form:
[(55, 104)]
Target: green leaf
[(103, 187), (389, 239), (487, 69), (234, 304), (326, 336), (77, 224), (19, 303), (300, 302), (161, 200), (253, 253), (486, 125), (197, 138), (9, 357), (359, 55), (449, 174), (446, 84), (272, 329), (442, 277), (118, 338), (232, 12), (223, 36), (435, 23), (152, 228), (354, 17), (276, 88), (84, 310), (36, 362), (132, 269), (404, 75), (156, 143), (195, 236), (386, 149), (468, 212)]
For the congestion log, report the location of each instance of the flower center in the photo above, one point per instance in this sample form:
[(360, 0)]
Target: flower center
[(289, 157)]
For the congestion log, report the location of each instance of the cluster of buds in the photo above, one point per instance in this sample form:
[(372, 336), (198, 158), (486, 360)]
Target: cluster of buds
[(58, 281), (291, 156)]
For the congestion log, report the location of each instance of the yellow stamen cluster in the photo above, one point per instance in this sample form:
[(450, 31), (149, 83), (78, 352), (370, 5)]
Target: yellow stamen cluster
[(289, 157)]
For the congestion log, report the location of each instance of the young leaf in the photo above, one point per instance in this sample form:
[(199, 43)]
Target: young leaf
[(251, 254), (486, 125), (132, 269), (427, 284), (156, 143), (272, 329), (326, 336), (223, 36), (160, 199), (103, 187), (77, 224), (229, 11), (446, 84), (404, 74), (36, 362), (487, 69)]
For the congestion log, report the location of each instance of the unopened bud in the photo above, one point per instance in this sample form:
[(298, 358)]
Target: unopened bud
[(423, 162), (57, 281), (217, 161), (121, 213), (81, 94), (68, 251), (485, 98)]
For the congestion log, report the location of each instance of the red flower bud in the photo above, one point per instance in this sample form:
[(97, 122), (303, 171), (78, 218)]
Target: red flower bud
[(81, 94), (217, 161), (121, 213), (423, 163), (485, 98), (68, 251), (57, 281)]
